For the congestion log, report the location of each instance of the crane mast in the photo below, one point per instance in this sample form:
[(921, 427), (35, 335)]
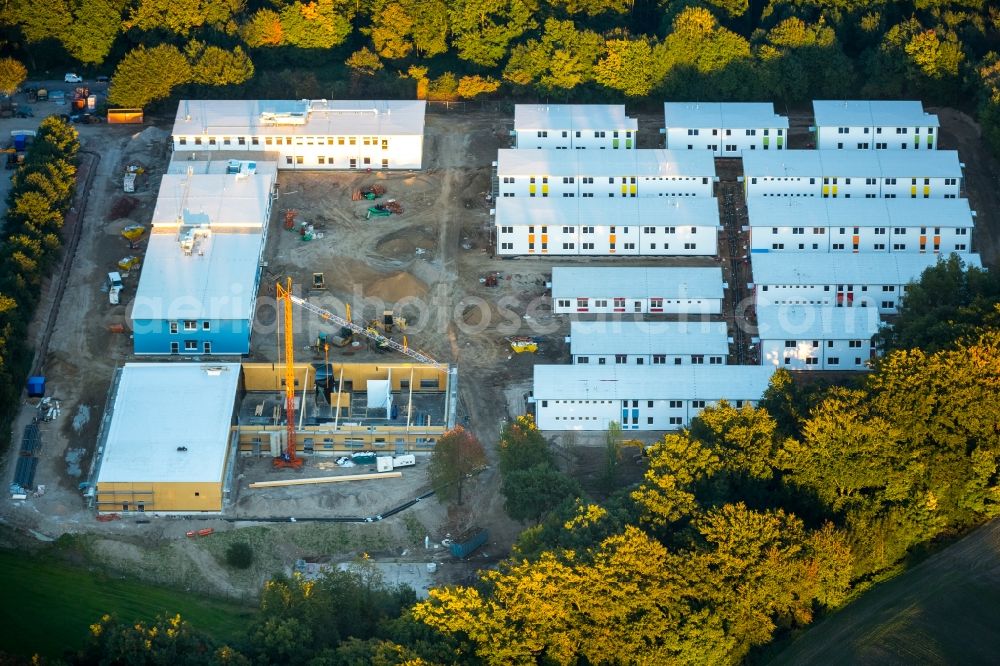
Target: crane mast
[(288, 458)]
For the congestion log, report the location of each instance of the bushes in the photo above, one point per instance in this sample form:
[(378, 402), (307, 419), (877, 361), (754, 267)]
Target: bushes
[(29, 247), (239, 555)]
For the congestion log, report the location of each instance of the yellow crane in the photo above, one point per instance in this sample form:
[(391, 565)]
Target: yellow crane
[(288, 458)]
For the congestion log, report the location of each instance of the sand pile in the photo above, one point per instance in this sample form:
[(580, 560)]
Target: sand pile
[(397, 286)]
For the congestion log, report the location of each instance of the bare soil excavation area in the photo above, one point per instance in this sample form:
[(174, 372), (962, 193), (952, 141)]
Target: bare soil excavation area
[(429, 263)]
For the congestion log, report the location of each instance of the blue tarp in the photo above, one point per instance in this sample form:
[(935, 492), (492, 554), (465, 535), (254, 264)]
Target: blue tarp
[(36, 387)]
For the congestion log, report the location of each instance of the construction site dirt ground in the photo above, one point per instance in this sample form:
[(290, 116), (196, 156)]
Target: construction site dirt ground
[(430, 263)]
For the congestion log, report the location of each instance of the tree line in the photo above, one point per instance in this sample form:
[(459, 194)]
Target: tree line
[(30, 245), (789, 51)]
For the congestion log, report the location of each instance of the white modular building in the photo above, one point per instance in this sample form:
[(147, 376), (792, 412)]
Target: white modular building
[(589, 173), (676, 226), (195, 195), (588, 397), (841, 280), (574, 126), (725, 128), (629, 342), (810, 337), (307, 134), (936, 226), (890, 174), (874, 125), (635, 290)]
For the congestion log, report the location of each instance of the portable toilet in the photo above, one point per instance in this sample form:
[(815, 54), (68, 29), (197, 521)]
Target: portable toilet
[(36, 386)]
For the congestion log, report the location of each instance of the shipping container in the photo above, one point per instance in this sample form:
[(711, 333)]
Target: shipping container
[(468, 542), (125, 116)]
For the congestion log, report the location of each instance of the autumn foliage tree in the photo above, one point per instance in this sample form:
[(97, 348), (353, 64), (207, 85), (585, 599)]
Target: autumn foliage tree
[(12, 74), (457, 454)]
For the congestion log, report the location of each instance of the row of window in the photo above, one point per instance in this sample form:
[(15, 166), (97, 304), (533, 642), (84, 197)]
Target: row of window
[(878, 231), (826, 195), (658, 359), (352, 162), (793, 344), (286, 141), (624, 180), (833, 360), (834, 180), (591, 230), (878, 130), (599, 134), (729, 147), (729, 132), (840, 287), (190, 325), (863, 145), (190, 346), (620, 302)]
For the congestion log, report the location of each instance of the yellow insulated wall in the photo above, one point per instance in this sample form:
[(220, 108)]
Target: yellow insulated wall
[(159, 496)]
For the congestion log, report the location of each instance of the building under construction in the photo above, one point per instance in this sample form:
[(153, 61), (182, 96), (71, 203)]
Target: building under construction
[(171, 431), (345, 407)]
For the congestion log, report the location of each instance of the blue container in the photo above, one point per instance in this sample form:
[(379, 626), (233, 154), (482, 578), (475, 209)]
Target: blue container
[(468, 542), (36, 387)]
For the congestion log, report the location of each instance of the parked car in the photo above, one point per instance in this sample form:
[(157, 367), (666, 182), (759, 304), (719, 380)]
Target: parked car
[(24, 112), (73, 78)]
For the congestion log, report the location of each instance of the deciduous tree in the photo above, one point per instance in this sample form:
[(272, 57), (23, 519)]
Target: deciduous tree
[(147, 75), (457, 454), (484, 29), (470, 87), (522, 445), (214, 66), (12, 75), (531, 493)]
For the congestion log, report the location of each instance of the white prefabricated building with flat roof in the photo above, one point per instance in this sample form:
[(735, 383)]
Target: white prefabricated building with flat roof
[(630, 342), (574, 127), (725, 128), (590, 397), (811, 337), (936, 226), (637, 290), (602, 174), (217, 200), (891, 174), (307, 134), (608, 227), (874, 125), (167, 441), (841, 280)]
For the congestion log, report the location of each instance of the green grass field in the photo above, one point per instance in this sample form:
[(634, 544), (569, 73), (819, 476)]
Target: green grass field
[(946, 610), (48, 608)]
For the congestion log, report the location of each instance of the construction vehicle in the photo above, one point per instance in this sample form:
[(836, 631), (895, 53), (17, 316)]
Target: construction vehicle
[(114, 285), (368, 193), (128, 263), (288, 458), (522, 344), (342, 339), (42, 95), (80, 96), (378, 210), (133, 232)]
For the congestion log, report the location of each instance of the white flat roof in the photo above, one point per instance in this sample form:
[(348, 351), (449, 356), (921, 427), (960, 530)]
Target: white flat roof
[(218, 162), (641, 162), (299, 117), (650, 211), (810, 268), (722, 115), (647, 382), (215, 200), (216, 281), (813, 212), (159, 407), (780, 322), (572, 117), (872, 113), (648, 337), (635, 282), (852, 163)]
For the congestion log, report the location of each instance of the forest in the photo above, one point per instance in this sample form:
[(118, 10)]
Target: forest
[(788, 51)]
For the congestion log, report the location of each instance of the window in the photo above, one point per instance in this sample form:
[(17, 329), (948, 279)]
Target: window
[(697, 359), (833, 360), (190, 325), (698, 404), (174, 347), (182, 140), (675, 420), (321, 159), (621, 358), (715, 360), (173, 327), (190, 345), (888, 305), (811, 361), (854, 344), (211, 141), (676, 404), (563, 303), (656, 303), (583, 359), (789, 344), (659, 359), (693, 132), (206, 326)]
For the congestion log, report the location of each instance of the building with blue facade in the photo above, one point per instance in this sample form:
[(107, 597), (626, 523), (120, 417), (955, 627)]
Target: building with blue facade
[(198, 288)]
